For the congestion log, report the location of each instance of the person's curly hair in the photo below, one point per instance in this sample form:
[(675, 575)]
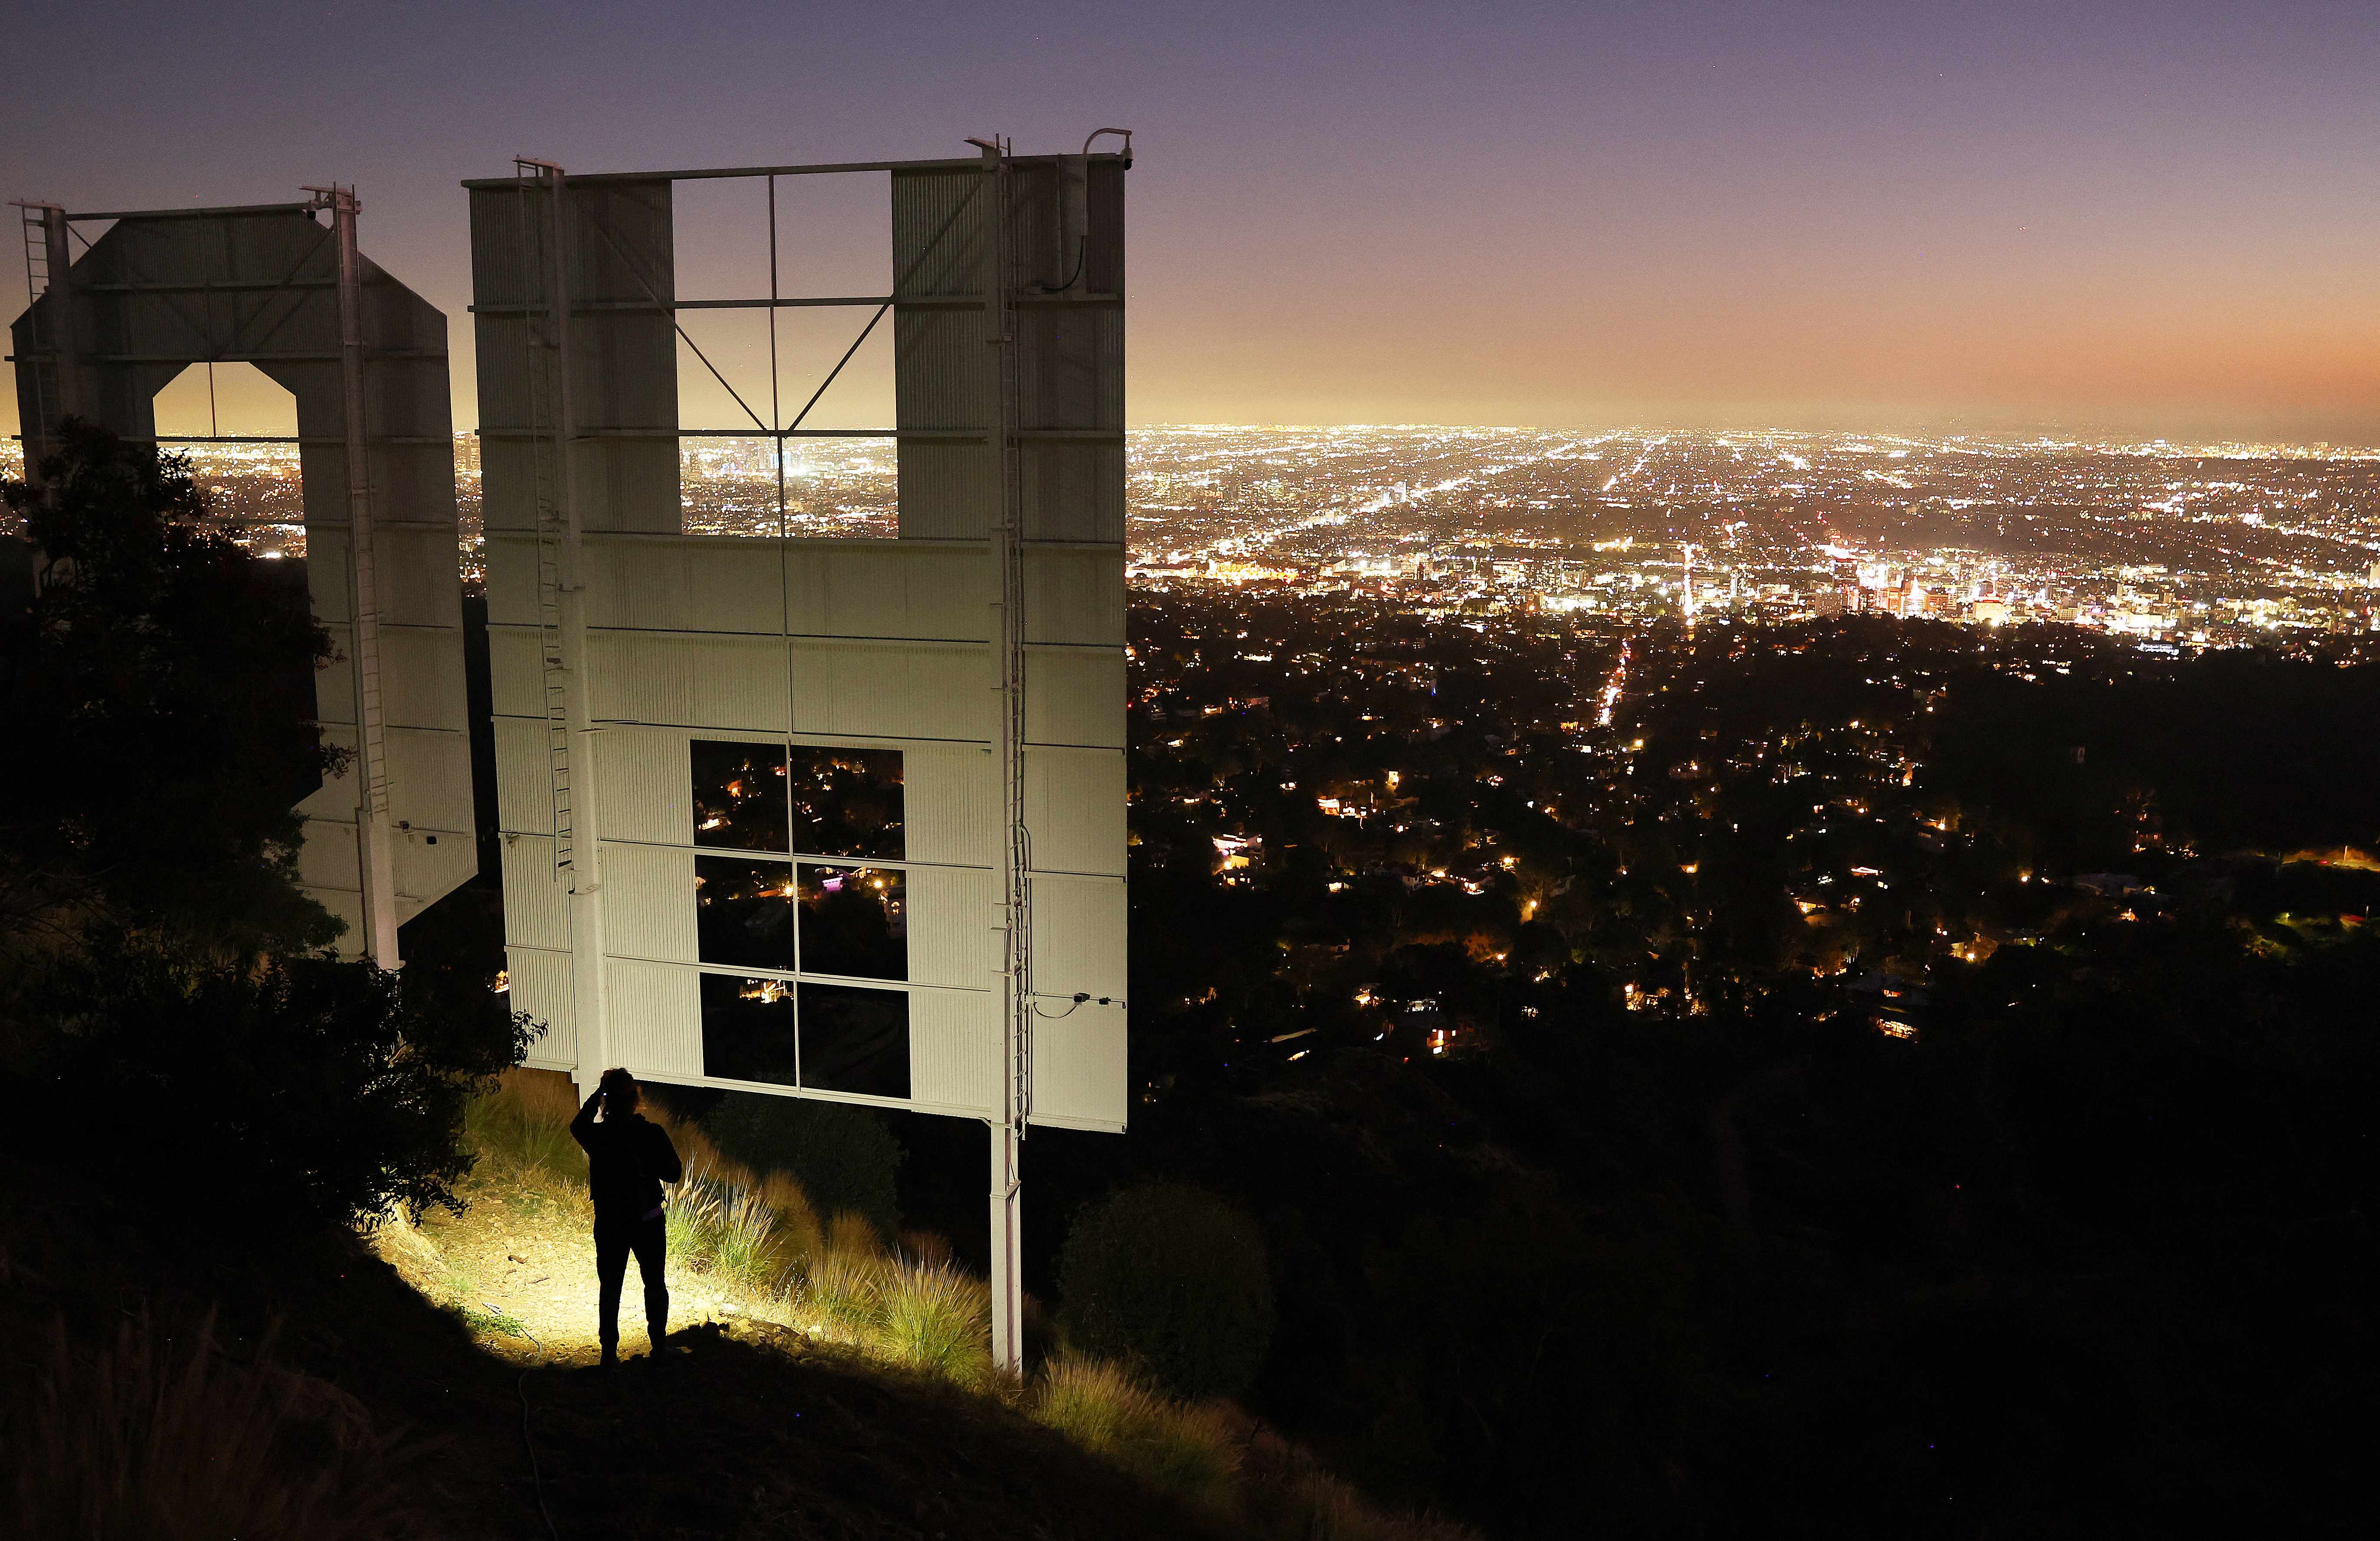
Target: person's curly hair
[(620, 1091)]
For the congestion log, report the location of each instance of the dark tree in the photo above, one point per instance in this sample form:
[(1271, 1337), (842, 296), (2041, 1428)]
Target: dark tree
[(159, 697), (269, 1097)]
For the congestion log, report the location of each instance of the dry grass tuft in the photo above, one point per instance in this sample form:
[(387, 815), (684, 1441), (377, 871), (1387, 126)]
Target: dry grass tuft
[(1193, 1452), (854, 1233), (157, 1433), (935, 1318), (526, 1121)]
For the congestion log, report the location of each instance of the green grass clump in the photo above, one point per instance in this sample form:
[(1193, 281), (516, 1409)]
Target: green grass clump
[(1189, 1450), (935, 1318)]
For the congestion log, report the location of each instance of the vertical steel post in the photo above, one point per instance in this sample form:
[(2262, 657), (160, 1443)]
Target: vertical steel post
[(376, 858), (1017, 1002), (590, 1000)]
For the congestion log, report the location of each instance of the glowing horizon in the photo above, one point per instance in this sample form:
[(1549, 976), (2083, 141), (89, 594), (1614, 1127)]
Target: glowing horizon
[(2137, 222)]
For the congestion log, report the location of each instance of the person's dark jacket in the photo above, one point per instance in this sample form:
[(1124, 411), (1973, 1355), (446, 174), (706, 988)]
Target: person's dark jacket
[(628, 1158)]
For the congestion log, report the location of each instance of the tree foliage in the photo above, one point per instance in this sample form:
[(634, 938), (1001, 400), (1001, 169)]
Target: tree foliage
[(269, 1096), (159, 697), (167, 985)]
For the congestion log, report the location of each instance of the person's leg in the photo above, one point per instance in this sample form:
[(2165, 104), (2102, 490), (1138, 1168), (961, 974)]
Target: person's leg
[(652, 1251), (612, 1244)]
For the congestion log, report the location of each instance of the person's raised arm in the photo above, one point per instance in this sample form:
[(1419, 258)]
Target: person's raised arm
[(585, 1122)]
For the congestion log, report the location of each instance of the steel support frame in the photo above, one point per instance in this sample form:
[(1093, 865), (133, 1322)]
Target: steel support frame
[(591, 998), (1016, 998), (375, 855)]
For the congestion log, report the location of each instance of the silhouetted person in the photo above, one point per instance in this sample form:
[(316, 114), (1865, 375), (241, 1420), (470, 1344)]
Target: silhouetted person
[(628, 1158)]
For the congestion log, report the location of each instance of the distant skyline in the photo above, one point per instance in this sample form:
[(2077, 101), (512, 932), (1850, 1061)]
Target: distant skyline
[(2134, 219)]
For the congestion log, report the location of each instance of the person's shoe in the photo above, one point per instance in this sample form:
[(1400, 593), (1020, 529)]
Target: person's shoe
[(610, 1360)]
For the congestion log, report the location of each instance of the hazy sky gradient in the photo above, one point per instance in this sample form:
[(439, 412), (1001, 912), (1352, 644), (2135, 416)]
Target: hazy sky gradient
[(2152, 218)]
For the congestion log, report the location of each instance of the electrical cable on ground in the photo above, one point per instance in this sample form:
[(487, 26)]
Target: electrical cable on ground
[(536, 1478)]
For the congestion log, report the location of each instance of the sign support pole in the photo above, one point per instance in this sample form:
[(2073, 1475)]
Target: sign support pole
[(376, 860), (1017, 1001)]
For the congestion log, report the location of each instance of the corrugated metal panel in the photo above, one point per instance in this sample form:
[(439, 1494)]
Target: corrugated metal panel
[(889, 588), (1079, 1073), (326, 573), (417, 691), (334, 688), (1071, 364), (940, 234), (943, 374), (644, 784), (536, 901), (728, 682), (1103, 258), (516, 672), (631, 484), (503, 236), (892, 689), (1074, 596), (430, 778), (947, 492), (649, 902), (418, 581), (656, 1018), (1073, 491), (1075, 696), (954, 1046), (685, 583), (426, 872), (540, 986), (335, 798), (1078, 934), (512, 579), (346, 907), (950, 803), (509, 482), (1081, 1079), (951, 938), (330, 862), (524, 783), (1074, 809)]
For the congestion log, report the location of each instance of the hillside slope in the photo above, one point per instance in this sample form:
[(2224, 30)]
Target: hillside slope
[(738, 1431)]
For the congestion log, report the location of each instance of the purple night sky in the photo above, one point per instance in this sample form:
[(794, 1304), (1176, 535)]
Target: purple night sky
[(2146, 218)]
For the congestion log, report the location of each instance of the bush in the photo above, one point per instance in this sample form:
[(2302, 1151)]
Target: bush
[(842, 1157), (1173, 1279), (274, 1095)]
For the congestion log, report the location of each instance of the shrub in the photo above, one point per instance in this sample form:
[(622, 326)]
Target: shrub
[(843, 1158), (1173, 1279), (307, 1091)]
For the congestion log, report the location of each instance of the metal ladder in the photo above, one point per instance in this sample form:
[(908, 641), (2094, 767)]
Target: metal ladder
[(544, 355)]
